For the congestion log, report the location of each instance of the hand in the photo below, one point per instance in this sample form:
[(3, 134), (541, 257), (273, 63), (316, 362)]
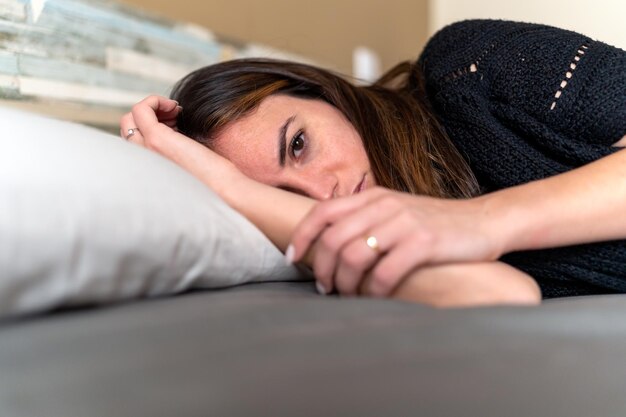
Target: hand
[(152, 109), (154, 123), (411, 232)]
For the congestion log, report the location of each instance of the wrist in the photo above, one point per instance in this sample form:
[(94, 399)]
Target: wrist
[(508, 221), (231, 186)]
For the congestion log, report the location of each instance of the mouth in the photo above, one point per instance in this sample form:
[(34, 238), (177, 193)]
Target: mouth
[(360, 186)]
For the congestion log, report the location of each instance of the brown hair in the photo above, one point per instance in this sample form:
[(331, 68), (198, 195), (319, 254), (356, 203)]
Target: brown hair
[(407, 147)]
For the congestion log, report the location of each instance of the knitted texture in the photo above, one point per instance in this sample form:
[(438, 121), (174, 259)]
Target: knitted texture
[(523, 102)]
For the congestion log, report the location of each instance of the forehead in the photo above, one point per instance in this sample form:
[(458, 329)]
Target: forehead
[(251, 142)]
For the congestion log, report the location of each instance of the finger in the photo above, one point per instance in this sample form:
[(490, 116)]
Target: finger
[(324, 214), (126, 121), (131, 133), (167, 141), (354, 262), (333, 242), (359, 256), (169, 118), (129, 130), (406, 246), (146, 112), (165, 109), (135, 136), (406, 256), (168, 108), (170, 123)]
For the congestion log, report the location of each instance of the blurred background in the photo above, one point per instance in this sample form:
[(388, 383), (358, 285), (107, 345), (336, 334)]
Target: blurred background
[(328, 31), (89, 61)]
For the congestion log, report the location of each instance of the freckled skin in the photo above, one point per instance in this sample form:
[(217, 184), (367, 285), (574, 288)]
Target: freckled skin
[(328, 161)]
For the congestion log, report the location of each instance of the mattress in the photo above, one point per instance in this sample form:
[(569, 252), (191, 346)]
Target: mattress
[(279, 349)]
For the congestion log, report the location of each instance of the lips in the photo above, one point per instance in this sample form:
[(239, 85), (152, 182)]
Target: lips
[(360, 186)]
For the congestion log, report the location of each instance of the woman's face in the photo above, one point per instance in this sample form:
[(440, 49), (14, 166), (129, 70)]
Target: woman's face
[(302, 145)]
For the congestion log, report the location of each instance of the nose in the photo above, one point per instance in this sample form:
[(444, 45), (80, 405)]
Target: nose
[(319, 187)]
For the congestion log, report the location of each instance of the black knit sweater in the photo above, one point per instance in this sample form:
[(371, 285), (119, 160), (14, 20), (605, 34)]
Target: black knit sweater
[(523, 102)]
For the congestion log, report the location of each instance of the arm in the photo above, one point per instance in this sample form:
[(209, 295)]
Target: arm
[(469, 284), (274, 211), (589, 116), (457, 227), (580, 206), (449, 285), (452, 285), (571, 85)]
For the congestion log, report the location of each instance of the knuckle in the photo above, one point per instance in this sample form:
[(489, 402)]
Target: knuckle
[(323, 209), (426, 237), (329, 241), (342, 288), (303, 236), (125, 118), (347, 284), (305, 233), (411, 220), (383, 279), (352, 260), (348, 289), (389, 202)]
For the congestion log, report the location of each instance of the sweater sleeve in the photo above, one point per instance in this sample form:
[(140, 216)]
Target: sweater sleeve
[(566, 81), (523, 102)]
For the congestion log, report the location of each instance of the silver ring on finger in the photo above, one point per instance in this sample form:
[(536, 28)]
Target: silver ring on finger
[(130, 132)]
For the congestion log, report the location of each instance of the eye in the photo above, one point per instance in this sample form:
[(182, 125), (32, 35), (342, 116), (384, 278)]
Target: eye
[(297, 145)]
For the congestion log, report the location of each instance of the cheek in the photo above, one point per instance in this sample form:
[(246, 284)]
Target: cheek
[(356, 152)]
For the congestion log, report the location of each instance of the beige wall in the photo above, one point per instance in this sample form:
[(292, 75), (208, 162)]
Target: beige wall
[(324, 30), (599, 19)]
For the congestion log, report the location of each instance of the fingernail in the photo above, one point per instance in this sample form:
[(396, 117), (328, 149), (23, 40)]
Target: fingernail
[(177, 103), (320, 288), (289, 254), (180, 108)]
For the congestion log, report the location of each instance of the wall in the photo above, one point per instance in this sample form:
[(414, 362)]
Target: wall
[(90, 60), (599, 19), (324, 30)]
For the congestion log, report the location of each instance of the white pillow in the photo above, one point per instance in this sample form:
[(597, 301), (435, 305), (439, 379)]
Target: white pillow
[(86, 217)]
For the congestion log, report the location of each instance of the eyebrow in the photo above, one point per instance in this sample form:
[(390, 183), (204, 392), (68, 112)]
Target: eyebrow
[(282, 141)]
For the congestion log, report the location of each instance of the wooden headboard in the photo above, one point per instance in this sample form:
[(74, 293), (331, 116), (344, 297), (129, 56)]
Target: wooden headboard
[(90, 60)]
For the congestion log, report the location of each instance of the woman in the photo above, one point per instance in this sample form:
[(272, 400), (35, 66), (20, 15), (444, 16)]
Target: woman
[(489, 171)]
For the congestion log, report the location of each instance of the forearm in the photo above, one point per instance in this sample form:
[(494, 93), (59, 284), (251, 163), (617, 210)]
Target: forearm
[(469, 284), (274, 211), (580, 206)]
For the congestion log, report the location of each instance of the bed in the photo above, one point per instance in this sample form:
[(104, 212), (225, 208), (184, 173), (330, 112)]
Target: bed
[(279, 349), (128, 288)]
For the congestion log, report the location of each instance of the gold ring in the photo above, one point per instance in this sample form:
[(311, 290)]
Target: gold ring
[(130, 132), (372, 243)]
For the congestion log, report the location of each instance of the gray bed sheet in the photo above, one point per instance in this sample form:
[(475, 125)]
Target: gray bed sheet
[(279, 349)]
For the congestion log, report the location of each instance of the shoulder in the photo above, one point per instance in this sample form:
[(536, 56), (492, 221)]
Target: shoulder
[(463, 32), (468, 42)]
